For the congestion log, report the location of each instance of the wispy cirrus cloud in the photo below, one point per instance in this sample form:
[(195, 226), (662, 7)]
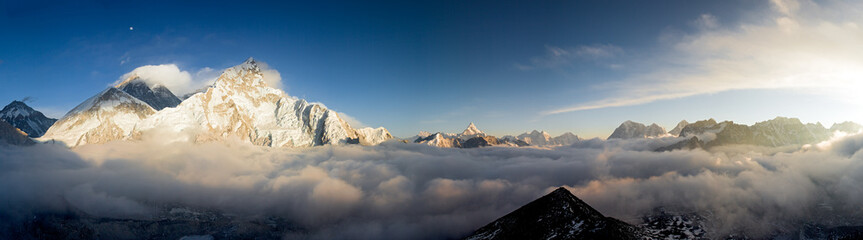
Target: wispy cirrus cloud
[(558, 56), (815, 51)]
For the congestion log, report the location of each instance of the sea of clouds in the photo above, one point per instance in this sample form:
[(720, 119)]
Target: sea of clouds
[(412, 191)]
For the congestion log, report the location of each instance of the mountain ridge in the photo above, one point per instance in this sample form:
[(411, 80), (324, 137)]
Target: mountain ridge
[(21, 116), (239, 104)]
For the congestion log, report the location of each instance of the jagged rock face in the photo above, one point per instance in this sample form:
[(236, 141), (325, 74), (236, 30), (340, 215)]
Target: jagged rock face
[(848, 127), (476, 142), (21, 116), (630, 129), (677, 129), (440, 140), (13, 136), (110, 115), (782, 131), (700, 127), (241, 105), (558, 215), (779, 131), (158, 97), (726, 133)]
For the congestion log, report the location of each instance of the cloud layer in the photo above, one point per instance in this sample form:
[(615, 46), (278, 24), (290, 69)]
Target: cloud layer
[(816, 51), (182, 82), (410, 191), (557, 56)]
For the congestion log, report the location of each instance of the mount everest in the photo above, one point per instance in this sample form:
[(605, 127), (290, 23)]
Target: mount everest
[(238, 105)]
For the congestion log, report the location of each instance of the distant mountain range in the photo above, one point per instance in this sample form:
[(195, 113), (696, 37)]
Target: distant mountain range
[(239, 105), (472, 137)]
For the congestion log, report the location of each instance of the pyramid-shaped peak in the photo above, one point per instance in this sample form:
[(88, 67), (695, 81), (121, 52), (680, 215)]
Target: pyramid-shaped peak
[(247, 74), (17, 108), (250, 63), (561, 191), (15, 104), (471, 130), (131, 78), (557, 215)]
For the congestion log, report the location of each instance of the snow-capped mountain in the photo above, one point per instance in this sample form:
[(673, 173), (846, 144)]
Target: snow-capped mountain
[(558, 215), (109, 115), (676, 130), (471, 137), (239, 105), (157, 96), (471, 131), (23, 117), (537, 138), (12, 135), (440, 140), (566, 138), (630, 129)]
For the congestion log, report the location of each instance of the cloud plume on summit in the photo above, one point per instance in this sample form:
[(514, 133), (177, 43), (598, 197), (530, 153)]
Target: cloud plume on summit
[(181, 82)]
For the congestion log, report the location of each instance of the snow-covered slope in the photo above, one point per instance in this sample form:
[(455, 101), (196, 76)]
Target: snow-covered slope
[(566, 138), (542, 138), (241, 105), (440, 140), (536, 138), (158, 96), (110, 115), (373, 136), (630, 129), (21, 116)]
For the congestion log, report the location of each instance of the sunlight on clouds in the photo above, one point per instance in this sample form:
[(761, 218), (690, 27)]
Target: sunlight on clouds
[(181, 82), (811, 52), (412, 191)]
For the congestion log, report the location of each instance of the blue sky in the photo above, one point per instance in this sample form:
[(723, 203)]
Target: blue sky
[(510, 67)]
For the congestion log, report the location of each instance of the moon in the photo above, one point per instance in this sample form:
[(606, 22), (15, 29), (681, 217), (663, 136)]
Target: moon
[(131, 28)]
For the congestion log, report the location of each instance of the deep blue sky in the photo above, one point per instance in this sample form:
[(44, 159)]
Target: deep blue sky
[(404, 65)]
